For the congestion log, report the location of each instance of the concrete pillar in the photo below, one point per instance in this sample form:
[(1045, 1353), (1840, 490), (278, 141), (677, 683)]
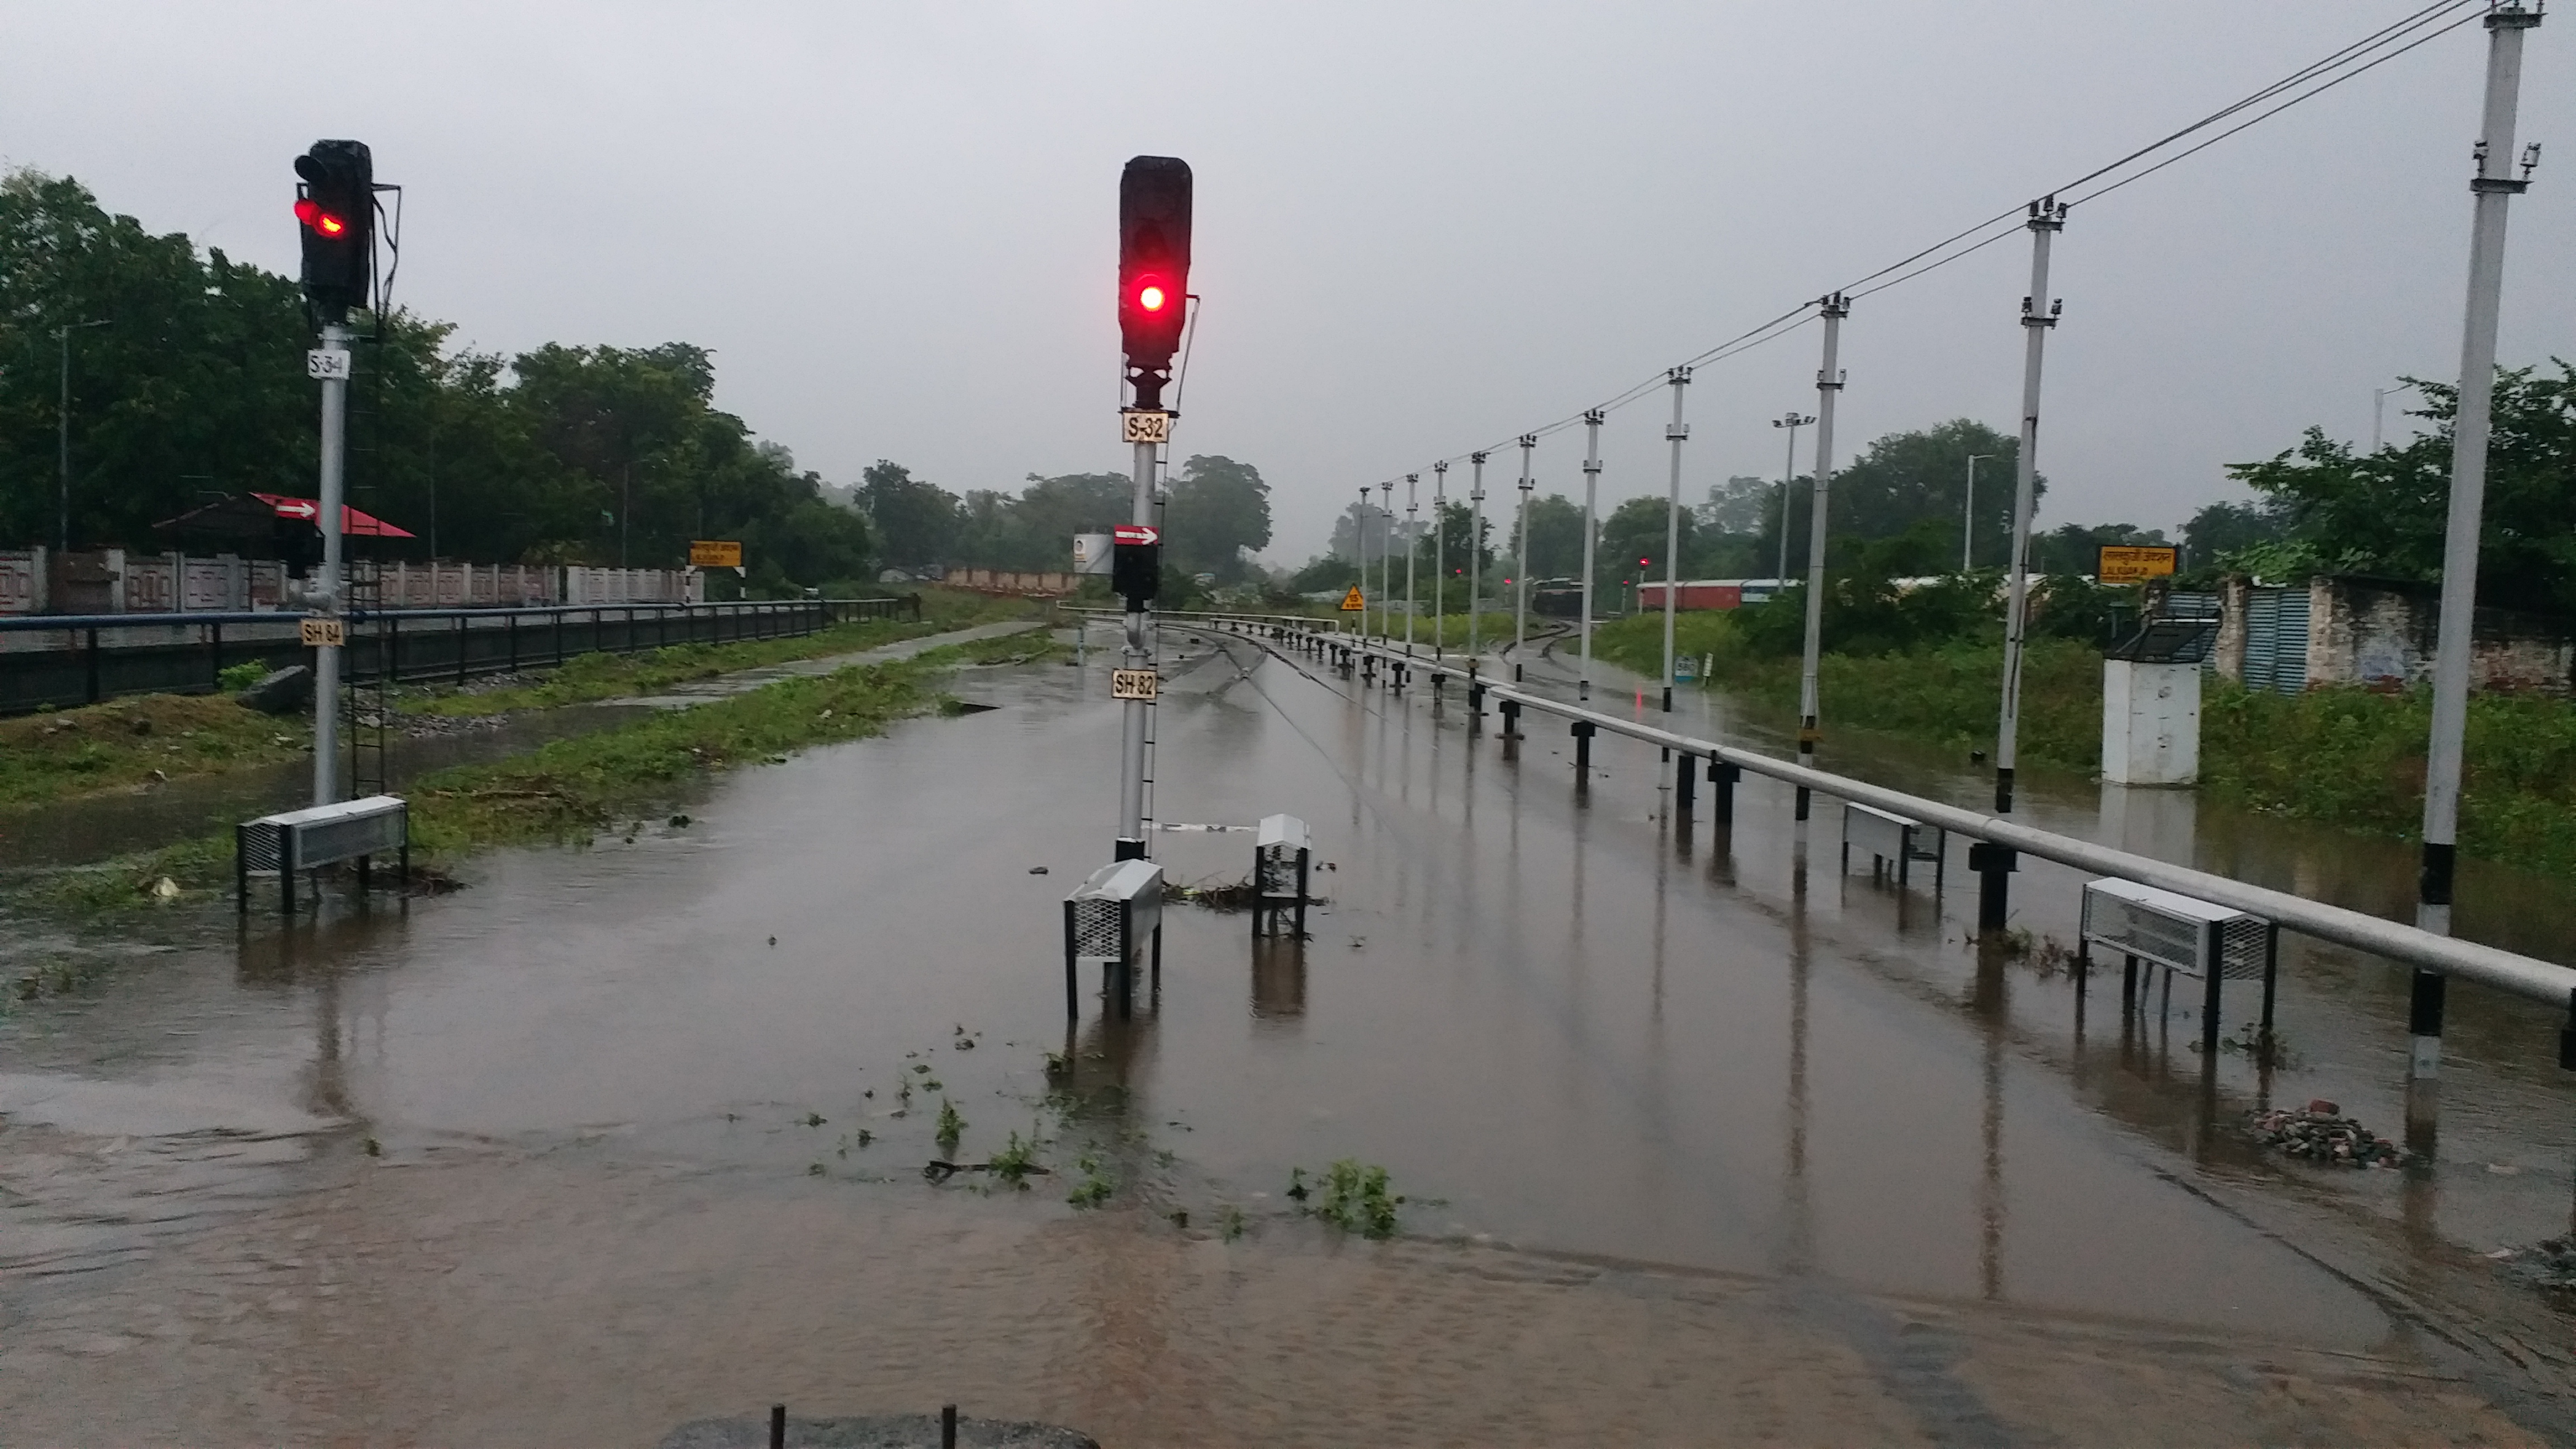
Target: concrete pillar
[(2150, 723)]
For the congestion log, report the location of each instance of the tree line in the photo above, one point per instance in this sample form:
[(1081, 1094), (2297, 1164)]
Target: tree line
[(194, 388), (1903, 509)]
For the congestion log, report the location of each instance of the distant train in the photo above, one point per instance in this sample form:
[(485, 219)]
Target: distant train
[(1563, 598)]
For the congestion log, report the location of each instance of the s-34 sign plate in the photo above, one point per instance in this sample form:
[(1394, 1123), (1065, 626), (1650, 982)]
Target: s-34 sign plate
[(1141, 426), (1134, 684)]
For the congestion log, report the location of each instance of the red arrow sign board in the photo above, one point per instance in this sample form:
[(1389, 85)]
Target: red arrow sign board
[(299, 508), (1139, 533)]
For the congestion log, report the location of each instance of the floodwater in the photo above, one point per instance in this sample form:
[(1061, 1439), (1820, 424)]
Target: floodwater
[(1703, 1139)]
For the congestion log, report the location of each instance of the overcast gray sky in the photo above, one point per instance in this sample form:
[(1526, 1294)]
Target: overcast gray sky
[(1420, 228)]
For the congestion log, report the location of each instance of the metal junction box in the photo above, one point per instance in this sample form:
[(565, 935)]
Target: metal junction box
[(1109, 919), (1893, 843), (2176, 931), (2185, 936), (1282, 860), (297, 840)]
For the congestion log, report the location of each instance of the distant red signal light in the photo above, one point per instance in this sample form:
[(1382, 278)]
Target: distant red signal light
[(1150, 297)]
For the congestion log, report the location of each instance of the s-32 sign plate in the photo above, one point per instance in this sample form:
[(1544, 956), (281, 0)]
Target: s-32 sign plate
[(1142, 426)]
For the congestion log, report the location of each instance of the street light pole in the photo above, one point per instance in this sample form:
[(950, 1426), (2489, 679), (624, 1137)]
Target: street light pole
[(63, 437), (1411, 506), (1793, 420), (1968, 517)]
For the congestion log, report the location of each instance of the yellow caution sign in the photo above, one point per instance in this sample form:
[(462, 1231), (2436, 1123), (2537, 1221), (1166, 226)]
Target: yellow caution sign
[(1352, 603), (711, 553)]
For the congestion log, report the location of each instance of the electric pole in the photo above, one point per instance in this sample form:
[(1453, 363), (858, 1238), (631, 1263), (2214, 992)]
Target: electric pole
[(1412, 530), (2491, 190), (63, 436), (1475, 549), (1968, 517), (1829, 386), (1674, 433), (1793, 420), (1386, 564), (2038, 316), (1591, 537), (1439, 561), (1520, 571)]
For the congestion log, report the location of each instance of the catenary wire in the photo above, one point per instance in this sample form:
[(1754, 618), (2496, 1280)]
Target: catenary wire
[(2337, 67)]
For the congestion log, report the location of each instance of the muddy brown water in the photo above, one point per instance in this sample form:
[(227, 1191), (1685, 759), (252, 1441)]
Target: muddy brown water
[(1703, 1143)]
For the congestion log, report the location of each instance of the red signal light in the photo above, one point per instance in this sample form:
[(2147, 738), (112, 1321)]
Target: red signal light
[(1151, 297), (310, 212)]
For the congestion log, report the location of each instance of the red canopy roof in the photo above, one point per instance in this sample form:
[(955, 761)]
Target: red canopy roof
[(353, 524)]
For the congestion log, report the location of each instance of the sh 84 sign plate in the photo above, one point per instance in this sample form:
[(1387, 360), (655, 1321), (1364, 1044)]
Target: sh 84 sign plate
[(1134, 684)]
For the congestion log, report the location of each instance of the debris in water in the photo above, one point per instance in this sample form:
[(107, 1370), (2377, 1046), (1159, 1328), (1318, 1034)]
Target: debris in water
[(773, 940), (165, 889), (1037, 870), (680, 822), (2321, 1134)]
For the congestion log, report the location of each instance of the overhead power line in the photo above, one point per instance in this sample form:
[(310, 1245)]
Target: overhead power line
[(2304, 84)]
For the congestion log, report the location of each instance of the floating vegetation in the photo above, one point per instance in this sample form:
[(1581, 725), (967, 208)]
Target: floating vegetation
[(1095, 1187), (952, 1126)]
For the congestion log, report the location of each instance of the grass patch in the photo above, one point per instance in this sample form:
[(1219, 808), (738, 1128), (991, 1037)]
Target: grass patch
[(572, 789), (589, 677), (140, 740)]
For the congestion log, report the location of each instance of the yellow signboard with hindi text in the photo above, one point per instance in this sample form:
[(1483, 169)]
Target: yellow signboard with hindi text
[(708, 553), (2135, 564)]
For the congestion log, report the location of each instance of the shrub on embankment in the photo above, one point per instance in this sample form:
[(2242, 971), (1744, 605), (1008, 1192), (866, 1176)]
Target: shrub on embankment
[(2346, 757)]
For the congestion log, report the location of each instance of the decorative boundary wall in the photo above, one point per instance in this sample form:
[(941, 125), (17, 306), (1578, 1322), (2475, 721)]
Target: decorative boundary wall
[(112, 581)]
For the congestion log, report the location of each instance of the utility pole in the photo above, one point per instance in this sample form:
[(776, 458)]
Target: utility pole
[(1386, 565), (2492, 190), (1412, 530), (1793, 420), (2379, 402), (1674, 433), (1475, 549), (2038, 316), (63, 437), (1829, 387), (1520, 605), (334, 372), (1591, 537), (1359, 546), (1439, 560), (625, 507), (1968, 517)]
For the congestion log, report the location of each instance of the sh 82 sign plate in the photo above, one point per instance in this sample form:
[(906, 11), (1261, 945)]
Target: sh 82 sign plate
[(1134, 684)]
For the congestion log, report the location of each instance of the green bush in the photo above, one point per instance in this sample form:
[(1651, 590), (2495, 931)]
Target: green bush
[(238, 677)]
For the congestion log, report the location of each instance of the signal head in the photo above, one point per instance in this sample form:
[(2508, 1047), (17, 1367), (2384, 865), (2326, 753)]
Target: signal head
[(1153, 259), (336, 206)]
